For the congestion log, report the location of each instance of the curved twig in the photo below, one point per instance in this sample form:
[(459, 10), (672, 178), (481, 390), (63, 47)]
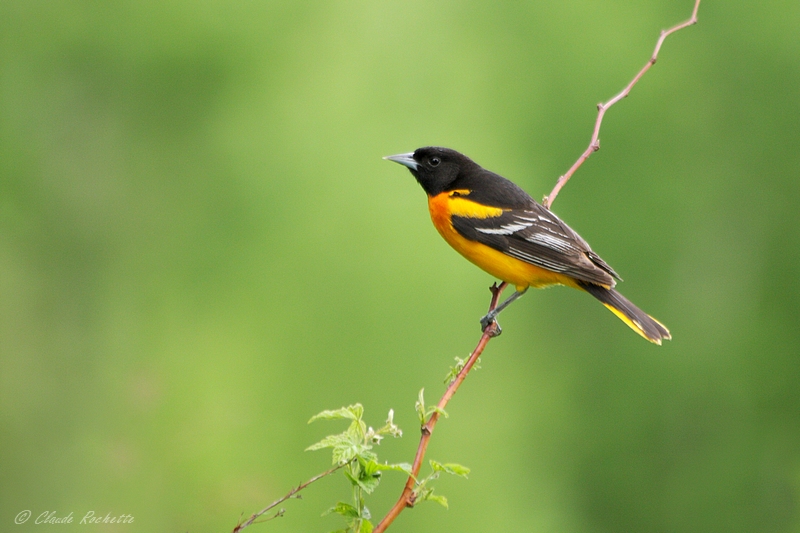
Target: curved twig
[(290, 494), (594, 144)]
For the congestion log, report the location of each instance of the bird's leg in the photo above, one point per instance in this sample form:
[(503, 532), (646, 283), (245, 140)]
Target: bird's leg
[(492, 315)]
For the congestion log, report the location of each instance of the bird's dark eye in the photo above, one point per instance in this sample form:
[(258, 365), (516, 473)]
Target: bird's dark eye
[(435, 161)]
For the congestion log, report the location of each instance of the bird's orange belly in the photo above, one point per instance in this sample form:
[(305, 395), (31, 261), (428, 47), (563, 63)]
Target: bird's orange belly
[(502, 266)]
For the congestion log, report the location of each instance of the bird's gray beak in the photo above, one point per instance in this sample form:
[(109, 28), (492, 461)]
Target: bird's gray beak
[(404, 159)]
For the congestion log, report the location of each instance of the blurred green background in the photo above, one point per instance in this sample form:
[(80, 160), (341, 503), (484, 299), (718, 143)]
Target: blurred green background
[(200, 248)]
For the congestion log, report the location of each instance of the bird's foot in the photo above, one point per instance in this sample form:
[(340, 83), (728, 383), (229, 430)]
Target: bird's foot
[(490, 325)]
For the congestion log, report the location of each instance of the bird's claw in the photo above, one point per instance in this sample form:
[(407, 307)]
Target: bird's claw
[(490, 325)]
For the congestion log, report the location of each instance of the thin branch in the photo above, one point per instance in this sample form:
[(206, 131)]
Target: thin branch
[(408, 497), (290, 494), (594, 144)]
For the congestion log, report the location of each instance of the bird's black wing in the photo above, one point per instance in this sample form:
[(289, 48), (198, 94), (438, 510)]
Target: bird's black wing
[(537, 236)]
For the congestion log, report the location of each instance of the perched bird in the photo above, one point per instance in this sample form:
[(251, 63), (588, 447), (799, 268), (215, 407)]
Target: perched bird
[(499, 227)]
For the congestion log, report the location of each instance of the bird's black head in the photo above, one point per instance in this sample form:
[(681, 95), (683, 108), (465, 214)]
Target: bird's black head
[(435, 168)]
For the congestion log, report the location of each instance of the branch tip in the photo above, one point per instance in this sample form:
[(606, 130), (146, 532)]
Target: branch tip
[(602, 107), (291, 494)]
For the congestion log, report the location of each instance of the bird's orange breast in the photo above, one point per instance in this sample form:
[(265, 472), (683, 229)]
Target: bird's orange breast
[(519, 273)]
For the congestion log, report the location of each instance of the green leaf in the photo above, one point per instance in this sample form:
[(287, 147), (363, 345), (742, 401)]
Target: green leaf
[(424, 412), (366, 527), (420, 407), (368, 466), (357, 430), (344, 449), (397, 467), (344, 509), (428, 495), (346, 453), (450, 468), (368, 482), (353, 480), (331, 441), (438, 498), (436, 409), (352, 412)]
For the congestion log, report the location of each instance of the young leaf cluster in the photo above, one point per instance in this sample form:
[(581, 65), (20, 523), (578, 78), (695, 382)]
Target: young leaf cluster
[(456, 369), (354, 448), (424, 412), (424, 492)]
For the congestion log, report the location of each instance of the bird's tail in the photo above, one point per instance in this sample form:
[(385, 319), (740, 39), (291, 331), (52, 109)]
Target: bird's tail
[(639, 321)]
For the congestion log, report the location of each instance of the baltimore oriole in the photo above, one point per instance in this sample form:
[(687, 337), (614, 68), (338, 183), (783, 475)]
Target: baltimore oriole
[(499, 227)]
